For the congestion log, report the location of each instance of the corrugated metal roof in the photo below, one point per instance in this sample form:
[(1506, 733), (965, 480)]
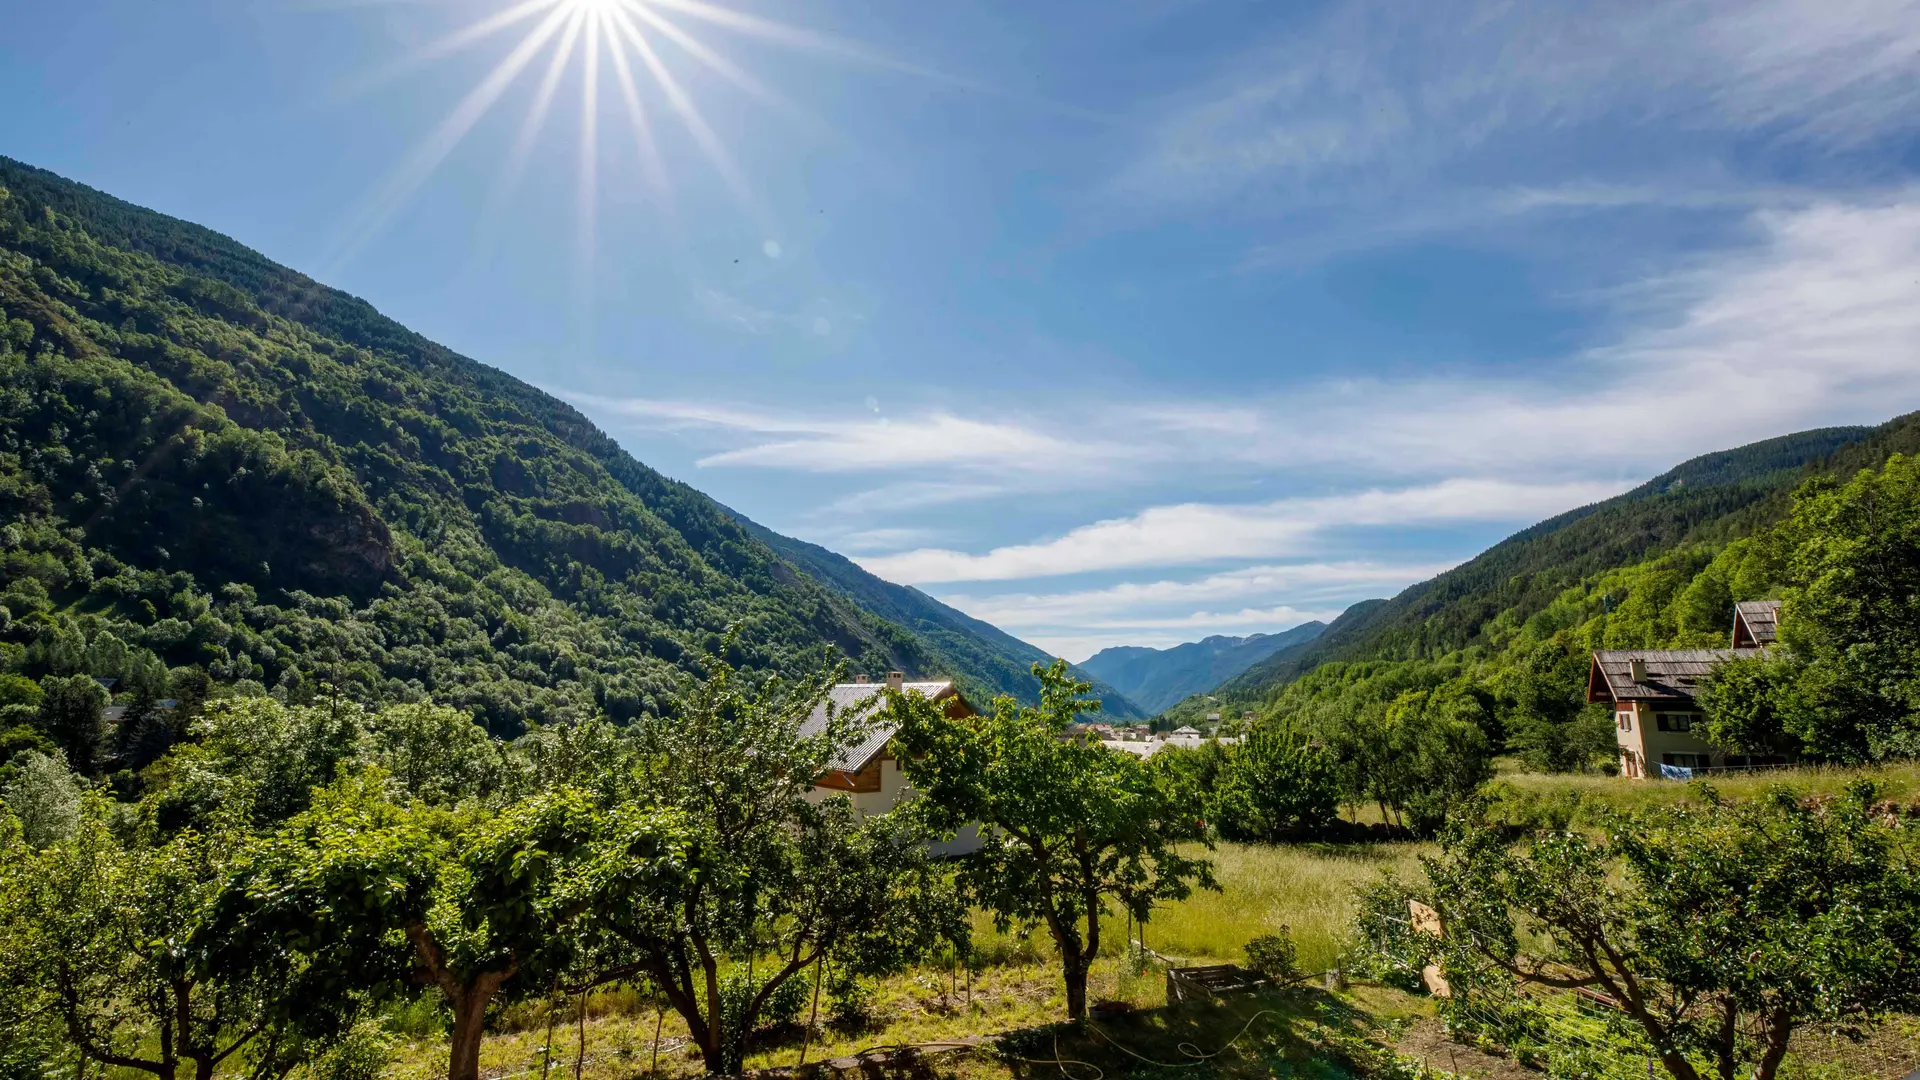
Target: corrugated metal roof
[(1762, 618), (1672, 674), (859, 698)]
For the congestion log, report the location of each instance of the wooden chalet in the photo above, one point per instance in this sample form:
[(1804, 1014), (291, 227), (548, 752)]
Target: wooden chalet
[(1655, 697), (1756, 623)]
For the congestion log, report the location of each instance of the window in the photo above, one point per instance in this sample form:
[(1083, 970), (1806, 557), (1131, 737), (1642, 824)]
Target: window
[(1625, 717)]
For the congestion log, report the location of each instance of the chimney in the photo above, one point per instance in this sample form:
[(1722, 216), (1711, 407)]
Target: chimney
[(1637, 668), (895, 679), (862, 678)]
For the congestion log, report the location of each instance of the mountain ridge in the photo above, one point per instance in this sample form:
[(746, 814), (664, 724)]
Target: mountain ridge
[(1711, 498), (994, 660), (1157, 678), (211, 461)]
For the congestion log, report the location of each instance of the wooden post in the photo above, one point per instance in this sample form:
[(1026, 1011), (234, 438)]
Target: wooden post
[(580, 1048), (806, 1039)]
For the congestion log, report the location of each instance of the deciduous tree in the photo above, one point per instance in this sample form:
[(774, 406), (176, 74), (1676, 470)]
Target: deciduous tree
[(770, 872), (1068, 826), (1721, 929)]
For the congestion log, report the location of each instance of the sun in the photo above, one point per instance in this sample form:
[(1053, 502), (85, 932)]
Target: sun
[(629, 55)]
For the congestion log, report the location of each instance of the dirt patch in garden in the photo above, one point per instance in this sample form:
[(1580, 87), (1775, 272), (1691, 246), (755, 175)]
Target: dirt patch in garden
[(1426, 1040)]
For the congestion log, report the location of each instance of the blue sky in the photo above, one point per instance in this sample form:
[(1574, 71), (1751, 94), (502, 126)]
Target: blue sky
[(1116, 323)]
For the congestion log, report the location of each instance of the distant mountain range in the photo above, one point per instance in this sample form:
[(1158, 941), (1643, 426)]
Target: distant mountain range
[(1153, 679)]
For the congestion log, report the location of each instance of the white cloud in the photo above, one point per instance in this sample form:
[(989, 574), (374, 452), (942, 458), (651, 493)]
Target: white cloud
[(1197, 533), (1815, 321), (1132, 604)]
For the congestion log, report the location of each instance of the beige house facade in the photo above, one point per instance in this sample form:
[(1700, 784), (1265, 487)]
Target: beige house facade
[(1654, 693)]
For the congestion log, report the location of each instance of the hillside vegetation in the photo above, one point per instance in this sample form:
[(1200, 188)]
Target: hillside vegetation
[(210, 463), (1502, 642), (994, 661)]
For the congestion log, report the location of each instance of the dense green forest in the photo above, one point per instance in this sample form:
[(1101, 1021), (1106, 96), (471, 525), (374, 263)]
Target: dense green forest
[(217, 471), (993, 660), (1503, 642)]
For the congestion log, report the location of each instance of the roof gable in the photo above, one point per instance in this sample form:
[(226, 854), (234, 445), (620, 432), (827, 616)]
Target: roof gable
[(864, 697), (1671, 674), (1756, 623)]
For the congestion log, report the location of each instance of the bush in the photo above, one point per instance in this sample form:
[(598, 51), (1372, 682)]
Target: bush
[(1386, 947), (783, 1006), (850, 1002), (1276, 957), (787, 1002), (361, 1055)]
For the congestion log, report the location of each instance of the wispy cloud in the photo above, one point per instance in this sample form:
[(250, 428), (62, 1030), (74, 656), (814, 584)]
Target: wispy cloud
[(1816, 320), (1377, 94), (1153, 602), (864, 443), (1199, 533)]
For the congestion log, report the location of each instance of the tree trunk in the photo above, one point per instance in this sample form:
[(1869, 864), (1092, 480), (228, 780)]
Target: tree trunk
[(469, 1014), (1076, 971), (1779, 1033)]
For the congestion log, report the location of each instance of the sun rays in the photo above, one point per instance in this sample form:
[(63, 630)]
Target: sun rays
[(624, 54)]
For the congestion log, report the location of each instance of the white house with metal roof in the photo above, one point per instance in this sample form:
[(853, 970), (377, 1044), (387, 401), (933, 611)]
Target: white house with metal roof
[(868, 773)]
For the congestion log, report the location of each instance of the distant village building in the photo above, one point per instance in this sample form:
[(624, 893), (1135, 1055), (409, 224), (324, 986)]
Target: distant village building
[(1655, 698), (1182, 738), (869, 774)]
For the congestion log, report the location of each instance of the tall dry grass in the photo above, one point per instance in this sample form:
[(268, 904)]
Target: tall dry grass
[(1305, 887), (1900, 782)]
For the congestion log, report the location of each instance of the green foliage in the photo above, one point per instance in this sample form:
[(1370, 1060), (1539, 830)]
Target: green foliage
[(768, 869), (1721, 928), (208, 461), (851, 1001), (1275, 957), (1068, 822), (357, 894), (1851, 689), (44, 798), (73, 713), (103, 937), (1386, 946), (362, 1054), (1274, 785)]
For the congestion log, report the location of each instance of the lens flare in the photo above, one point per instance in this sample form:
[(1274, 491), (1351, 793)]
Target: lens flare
[(598, 39)]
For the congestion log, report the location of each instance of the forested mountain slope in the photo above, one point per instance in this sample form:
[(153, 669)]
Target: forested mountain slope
[(1492, 657), (1157, 678), (1715, 497), (989, 660), (210, 461)]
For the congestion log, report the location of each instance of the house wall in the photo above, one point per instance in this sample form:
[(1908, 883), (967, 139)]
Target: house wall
[(1644, 747), (879, 788)]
